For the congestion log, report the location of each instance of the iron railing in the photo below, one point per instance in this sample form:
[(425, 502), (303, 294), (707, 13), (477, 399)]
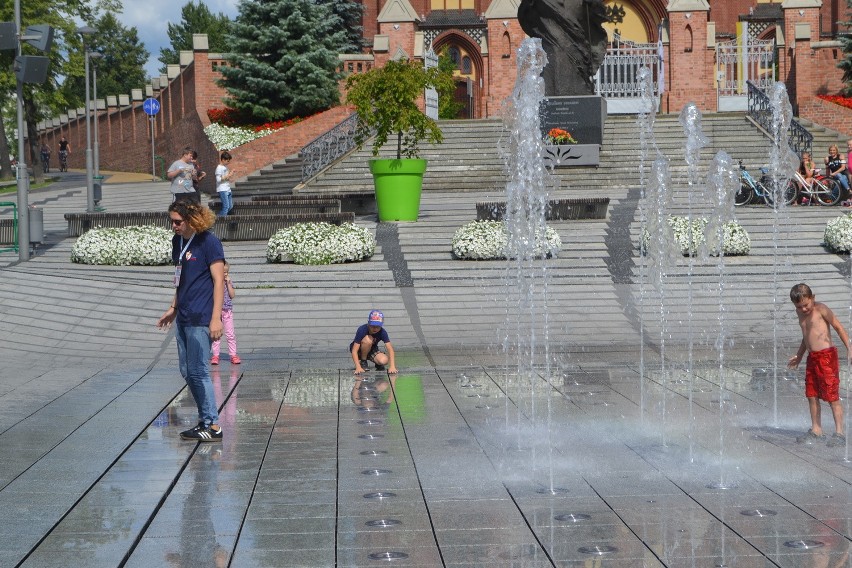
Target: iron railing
[(760, 110), (328, 147), (618, 75)]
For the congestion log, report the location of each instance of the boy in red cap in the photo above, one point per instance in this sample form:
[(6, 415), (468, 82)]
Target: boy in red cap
[(365, 346)]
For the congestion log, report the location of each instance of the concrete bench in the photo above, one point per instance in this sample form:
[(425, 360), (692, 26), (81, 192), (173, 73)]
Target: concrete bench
[(359, 203), (231, 228), (557, 209), (275, 207)]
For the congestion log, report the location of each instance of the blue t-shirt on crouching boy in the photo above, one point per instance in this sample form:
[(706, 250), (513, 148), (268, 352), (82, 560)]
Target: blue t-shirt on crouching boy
[(364, 330), (195, 291)]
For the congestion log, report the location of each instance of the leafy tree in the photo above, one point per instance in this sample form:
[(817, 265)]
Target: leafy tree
[(195, 19), (284, 59), (448, 107), (121, 67), (41, 101), (846, 40), (349, 13)]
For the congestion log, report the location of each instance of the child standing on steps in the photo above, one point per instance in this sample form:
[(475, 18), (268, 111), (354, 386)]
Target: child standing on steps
[(227, 322)]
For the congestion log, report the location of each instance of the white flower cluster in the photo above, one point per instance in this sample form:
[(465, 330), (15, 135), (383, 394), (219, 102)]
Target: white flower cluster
[(125, 246), (487, 240), (736, 239), (320, 243), (838, 234), (229, 137)]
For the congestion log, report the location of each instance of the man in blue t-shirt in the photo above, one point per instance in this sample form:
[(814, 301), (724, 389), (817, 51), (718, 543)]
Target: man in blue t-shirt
[(197, 308), (365, 346)]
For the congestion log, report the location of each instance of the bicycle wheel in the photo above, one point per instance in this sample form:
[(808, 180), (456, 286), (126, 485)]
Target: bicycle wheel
[(788, 194), (744, 195), (832, 193)]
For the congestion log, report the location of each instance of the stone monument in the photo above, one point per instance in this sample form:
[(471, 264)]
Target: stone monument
[(575, 43)]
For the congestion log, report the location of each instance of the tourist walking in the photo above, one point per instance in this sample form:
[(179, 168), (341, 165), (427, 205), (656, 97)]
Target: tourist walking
[(196, 308), (223, 183), (181, 173)]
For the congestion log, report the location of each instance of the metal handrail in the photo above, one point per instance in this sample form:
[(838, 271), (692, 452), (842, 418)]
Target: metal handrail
[(328, 147), (759, 109)]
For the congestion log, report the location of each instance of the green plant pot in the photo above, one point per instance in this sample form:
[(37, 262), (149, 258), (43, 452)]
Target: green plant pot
[(398, 184)]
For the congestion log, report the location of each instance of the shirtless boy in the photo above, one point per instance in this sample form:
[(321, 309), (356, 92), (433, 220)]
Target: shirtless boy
[(822, 373)]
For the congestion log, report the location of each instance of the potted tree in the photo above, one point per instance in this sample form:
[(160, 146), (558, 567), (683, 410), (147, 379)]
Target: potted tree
[(385, 100)]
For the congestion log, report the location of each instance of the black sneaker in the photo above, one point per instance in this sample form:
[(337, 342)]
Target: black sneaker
[(203, 433), (380, 367), (364, 364)]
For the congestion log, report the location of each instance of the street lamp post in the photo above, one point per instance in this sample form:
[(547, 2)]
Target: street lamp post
[(90, 181), (95, 56), (23, 172)]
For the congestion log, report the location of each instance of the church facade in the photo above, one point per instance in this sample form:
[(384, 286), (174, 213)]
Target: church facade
[(693, 39)]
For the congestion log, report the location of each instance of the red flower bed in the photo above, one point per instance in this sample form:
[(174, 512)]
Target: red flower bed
[(837, 99), (231, 117)]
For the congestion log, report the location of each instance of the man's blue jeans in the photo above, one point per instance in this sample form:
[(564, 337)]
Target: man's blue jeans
[(193, 344), (227, 199)]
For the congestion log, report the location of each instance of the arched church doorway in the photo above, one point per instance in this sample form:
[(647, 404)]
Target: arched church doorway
[(467, 73)]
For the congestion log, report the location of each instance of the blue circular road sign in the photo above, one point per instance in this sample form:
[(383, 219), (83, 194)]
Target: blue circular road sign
[(151, 106)]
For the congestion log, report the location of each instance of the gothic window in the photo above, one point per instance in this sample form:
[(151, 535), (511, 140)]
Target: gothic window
[(507, 46), (455, 55), (467, 66), (688, 45)]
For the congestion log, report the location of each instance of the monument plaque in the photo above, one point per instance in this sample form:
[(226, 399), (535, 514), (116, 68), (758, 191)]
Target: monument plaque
[(582, 116)]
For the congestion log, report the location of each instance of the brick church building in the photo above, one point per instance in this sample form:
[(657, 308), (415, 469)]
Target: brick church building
[(690, 37)]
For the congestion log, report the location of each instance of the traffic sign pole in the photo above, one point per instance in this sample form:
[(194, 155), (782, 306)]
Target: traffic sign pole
[(151, 108)]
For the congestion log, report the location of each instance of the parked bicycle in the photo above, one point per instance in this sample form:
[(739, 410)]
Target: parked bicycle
[(63, 160), (751, 189), (824, 189)]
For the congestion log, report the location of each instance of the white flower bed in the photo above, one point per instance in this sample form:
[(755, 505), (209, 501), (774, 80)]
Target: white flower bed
[(228, 137), (487, 240), (838, 234), (125, 246), (736, 239), (320, 243)]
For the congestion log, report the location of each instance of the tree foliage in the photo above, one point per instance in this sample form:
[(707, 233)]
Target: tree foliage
[(349, 13), (283, 59), (196, 18), (121, 67), (448, 107), (385, 99), (41, 101)]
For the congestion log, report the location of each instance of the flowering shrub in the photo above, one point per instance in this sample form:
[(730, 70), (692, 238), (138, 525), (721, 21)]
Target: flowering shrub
[(557, 137), (225, 116), (229, 137), (487, 240), (838, 100), (736, 240), (124, 246), (320, 243), (838, 234)]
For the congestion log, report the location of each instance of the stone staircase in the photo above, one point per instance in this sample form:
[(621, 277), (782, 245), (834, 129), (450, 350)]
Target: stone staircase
[(469, 159), (276, 179)]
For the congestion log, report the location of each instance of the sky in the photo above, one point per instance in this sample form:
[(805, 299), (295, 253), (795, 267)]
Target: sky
[(151, 18)]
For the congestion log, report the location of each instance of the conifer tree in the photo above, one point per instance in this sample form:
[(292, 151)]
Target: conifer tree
[(349, 13), (283, 59)]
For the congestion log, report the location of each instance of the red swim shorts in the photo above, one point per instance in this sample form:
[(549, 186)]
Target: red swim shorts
[(822, 375)]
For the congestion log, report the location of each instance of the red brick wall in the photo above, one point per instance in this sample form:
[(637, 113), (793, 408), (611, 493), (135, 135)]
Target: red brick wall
[(501, 72), (726, 13), (690, 64), (403, 37), (827, 114), (250, 157)]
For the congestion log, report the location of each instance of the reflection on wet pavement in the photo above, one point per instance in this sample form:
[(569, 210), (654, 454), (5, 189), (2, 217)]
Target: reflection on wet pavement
[(449, 467)]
